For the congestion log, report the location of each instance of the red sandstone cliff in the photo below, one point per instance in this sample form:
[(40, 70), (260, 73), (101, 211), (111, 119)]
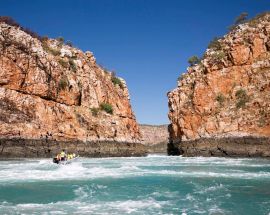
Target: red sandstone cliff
[(54, 91), (222, 104)]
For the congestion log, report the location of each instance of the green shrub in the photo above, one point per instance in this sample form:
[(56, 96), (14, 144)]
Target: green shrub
[(10, 21), (232, 27), (242, 18), (242, 98), (240, 104), (117, 81), (63, 63), (218, 56), (263, 118), (257, 19), (106, 107), (241, 93), (55, 52), (182, 76), (44, 38), (48, 49), (105, 70), (69, 43), (63, 83), (215, 44), (61, 41), (74, 57), (72, 65), (193, 60), (45, 46), (220, 98), (94, 111)]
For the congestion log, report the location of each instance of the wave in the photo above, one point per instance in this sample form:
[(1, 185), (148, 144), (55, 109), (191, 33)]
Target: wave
[(79, 207), (157, 156), (172, 185), (205, 174), (117, 168)]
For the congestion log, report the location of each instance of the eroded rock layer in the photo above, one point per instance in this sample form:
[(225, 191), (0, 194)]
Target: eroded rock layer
[(26, 148), (52, 91), (225, 98)]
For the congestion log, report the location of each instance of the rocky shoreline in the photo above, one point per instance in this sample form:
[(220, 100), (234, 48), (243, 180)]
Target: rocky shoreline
[(248, 146), (44, 148)]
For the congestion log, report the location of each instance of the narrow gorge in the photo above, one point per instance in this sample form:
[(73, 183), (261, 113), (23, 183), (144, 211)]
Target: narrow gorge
[(221, 106), (55, 96), (155, 138)]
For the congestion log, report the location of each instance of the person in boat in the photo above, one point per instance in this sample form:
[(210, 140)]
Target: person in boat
[(73, 155), (57, 158), (70, 156), (63, 155)]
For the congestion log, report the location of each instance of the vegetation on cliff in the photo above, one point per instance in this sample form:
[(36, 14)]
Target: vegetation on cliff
[(216, 44)]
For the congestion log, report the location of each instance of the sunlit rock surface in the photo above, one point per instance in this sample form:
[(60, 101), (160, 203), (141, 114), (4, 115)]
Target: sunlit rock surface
[(221, 106), (52, 91)]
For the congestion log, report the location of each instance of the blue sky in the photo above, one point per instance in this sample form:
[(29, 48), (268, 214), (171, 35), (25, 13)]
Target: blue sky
[(147, 42)]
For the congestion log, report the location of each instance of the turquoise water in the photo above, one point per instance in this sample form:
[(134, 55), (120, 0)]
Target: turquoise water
[(146, 185)]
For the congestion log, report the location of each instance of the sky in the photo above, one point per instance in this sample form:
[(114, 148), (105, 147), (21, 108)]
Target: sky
[(146, 42)]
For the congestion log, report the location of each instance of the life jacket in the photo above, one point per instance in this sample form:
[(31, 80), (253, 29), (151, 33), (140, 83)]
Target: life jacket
[(63, 154)]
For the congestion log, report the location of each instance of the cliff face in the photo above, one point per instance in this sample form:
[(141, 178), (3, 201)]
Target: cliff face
[(52, 91), (155, 137), (222, 104)]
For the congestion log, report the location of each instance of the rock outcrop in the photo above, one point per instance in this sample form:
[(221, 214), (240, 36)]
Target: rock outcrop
[(155, 137), (54, 92), (221, 106)]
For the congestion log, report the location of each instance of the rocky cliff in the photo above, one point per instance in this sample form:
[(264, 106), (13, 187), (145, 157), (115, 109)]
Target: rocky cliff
[(221, 106), (51, 92), (155, 137)]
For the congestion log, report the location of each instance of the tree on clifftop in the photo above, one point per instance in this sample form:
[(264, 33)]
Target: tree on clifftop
[(193, 60), (241, 18)]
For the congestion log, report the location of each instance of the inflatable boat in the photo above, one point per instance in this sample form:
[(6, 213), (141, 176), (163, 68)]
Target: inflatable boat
[(66, 161)]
